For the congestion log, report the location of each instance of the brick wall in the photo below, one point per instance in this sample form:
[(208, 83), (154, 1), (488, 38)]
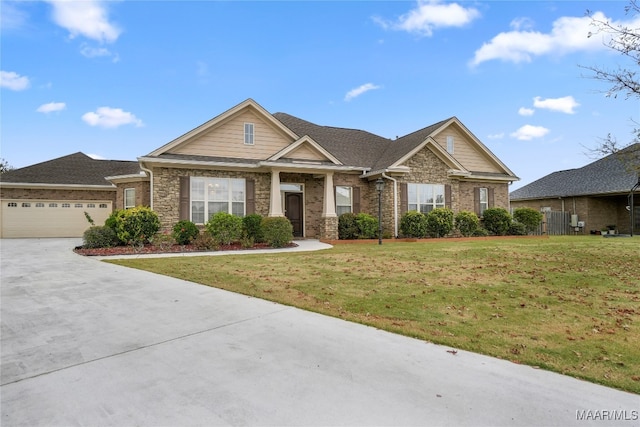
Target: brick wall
[(142, 190)]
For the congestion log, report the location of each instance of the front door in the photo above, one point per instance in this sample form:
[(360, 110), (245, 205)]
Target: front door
[(293, 211)]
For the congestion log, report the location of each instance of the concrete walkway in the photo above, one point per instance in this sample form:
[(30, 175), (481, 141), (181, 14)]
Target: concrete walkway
[(90, 343)]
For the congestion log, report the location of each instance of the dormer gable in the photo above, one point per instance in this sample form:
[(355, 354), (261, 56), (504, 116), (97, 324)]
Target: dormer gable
[(305, 148)]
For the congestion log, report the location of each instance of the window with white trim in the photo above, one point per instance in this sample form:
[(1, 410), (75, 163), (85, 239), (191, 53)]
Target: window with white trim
[(12, 204), (484, 199), (212, 195), (103, 206), (129, 198), (450, 144), (53, 205), (344, 200), (78, 205), (425, 197), (26, 205), (91, 205), (248, 133), (66, 205), (39, 205)]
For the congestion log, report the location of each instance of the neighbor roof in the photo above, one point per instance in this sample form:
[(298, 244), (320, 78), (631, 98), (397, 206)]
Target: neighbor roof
[(616, 173), (74, 169)]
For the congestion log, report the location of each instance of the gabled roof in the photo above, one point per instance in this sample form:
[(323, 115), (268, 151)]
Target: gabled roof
[(614, 174), (76, 169)]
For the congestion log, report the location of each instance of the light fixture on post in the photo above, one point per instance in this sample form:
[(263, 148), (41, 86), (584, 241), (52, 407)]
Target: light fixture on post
[(380, 189)]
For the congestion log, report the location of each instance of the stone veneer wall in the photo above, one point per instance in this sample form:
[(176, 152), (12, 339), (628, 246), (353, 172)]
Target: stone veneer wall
[(49, 194), (166, 190)]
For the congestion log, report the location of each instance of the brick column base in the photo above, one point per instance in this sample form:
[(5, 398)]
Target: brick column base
[(329, 228)]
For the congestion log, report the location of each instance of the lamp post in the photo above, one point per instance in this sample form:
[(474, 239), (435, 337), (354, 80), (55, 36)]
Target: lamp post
[(379, 189)]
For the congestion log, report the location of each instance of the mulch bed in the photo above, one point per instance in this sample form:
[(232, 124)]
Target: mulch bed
[(151, 249)]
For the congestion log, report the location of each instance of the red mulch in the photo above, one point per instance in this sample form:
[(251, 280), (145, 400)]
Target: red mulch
[(151, 249)]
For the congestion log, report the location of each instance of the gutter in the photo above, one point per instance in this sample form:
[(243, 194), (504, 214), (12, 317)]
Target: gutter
[(150, 172), (395, 203)]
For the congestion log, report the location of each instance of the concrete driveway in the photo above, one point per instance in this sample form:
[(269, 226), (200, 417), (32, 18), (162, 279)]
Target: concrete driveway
[(88, 343)]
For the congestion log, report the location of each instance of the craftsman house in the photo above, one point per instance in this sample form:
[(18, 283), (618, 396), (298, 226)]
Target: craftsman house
[(247, 160), (598, 194)]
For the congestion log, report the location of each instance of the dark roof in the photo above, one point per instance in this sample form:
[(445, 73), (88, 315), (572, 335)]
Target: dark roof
[(74, 169), (351, 146), (616, 173)]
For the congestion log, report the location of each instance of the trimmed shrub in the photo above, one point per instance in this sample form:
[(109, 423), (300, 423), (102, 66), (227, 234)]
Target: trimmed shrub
[(277, 231), (136, 225), (99, 236), (367, 226), (413, 224), (497, 221), (517, 229), (528, 217), (225, 228), (204, 242), (252, 227), (480, 232), (347, 226), (185, 231), (467, 223), (439, 222)]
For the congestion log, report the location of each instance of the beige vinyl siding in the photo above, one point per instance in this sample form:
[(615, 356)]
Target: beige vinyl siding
[(227, 140), (21, 218), (465, 151), (305, 152)]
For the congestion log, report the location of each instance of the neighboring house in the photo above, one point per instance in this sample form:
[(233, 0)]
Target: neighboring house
[(49, 199), (247, 160), (597, 193)]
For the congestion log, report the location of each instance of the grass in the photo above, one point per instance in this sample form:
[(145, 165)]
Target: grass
[(566, 304)]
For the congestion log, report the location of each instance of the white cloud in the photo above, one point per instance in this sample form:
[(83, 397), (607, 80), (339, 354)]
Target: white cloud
[(11, 17), (429, 15), (569, 34), (88, 18), (51, 107), (529, 132), (13, 81), (353, 93), (108, 117), (93, 52), (564, 105), (526, 111), (496, 136)]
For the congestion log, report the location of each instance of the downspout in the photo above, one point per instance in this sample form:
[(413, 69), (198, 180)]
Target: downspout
[(150, 172), (395, 204)]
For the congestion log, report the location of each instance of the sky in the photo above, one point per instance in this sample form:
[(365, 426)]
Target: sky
[(118, 79)]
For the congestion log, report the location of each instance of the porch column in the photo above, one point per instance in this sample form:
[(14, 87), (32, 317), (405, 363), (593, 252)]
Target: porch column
[(329, 201), (275, 202)]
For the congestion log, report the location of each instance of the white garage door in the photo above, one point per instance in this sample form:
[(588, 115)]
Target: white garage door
[(50, 218)]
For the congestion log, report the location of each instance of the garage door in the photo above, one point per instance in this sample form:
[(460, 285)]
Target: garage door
[(50, 218)]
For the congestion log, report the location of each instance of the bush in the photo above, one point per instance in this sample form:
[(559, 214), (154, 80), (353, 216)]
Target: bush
[(252, 227), (467, 223), (413, 224), (225, 228), (367, 226), (184, 232), (517, 229), (528, 217), (480, 232), (277, 231), (347, 226), (497, 221), (204, 242), (136, 225), (439, 222), (99, 236)]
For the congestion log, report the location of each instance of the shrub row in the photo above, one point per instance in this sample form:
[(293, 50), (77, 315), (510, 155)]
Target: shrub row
[(140, 225), (357, 226)]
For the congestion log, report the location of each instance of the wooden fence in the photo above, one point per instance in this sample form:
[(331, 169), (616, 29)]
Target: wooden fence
[(555, 223)]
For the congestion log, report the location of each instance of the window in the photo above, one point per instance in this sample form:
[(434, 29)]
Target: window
[(39, 205), (484, 200), (129, 198), (212, 195), (12, 204), (248, 133), (103, 205), (91, 205), (344, 200), (66, 205), (53, 205), (78, 205), (26, 205), (425, 197), (450, 144)]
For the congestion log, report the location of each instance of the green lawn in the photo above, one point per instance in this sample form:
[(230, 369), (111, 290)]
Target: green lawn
[(566, 304)]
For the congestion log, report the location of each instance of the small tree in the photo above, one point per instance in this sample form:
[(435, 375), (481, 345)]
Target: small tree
[(225, 228), (528, 217), (439, 222), (497, 221), (467, 223), (413, 224), (5, 166)]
